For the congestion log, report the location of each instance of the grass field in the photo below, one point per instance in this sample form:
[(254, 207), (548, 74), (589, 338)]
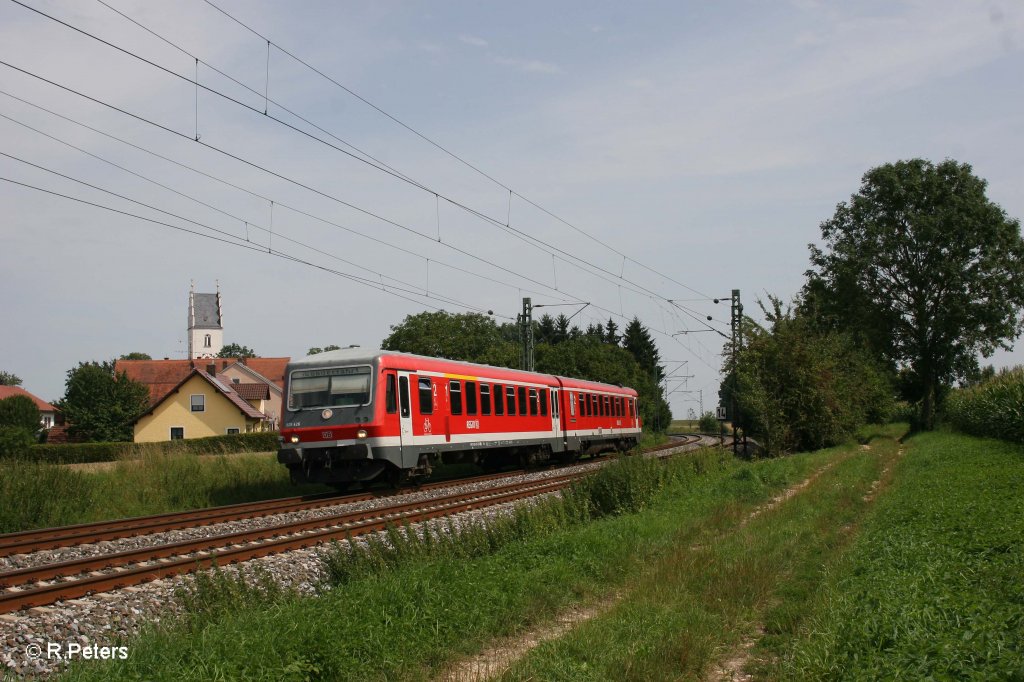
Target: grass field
[(38, 495), (883, 562)]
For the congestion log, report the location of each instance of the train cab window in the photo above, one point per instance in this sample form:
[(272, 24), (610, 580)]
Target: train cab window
[(499, 399), (426, 391), (629, 407), (522, 401), (403, 395), (533, 402), (544, 402), (485, 399), (455, 396), (390, 400), (470, 397), (510, 399)]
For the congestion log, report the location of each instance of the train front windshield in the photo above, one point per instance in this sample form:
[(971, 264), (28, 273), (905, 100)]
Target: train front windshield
[(333, 387)]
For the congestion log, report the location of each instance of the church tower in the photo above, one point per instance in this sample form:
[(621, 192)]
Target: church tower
[(205, 324)]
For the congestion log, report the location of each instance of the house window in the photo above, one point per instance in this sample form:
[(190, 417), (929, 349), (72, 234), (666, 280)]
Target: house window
[(232, 430), (207, 341), (177, 432), (199, 403)]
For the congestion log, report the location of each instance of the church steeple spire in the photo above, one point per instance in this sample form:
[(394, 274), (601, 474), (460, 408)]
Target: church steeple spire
[(205, 324)]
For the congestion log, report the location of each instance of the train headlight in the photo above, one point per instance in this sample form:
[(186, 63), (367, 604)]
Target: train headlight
[(361, 433), (294, 439)]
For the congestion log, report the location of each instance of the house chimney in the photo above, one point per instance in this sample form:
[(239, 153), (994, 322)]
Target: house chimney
[(211, 369)]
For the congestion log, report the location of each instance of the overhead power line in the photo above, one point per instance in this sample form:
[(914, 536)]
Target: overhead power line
[(566, 257), (447, 151)]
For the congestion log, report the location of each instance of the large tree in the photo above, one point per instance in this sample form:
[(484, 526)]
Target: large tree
[(101, 405), (470, 337), (925, 269)]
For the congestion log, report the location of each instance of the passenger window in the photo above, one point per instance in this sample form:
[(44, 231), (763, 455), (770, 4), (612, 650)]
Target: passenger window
[(522, 401), (499, 400), (510, 395), (470, 397), (533, 402), (390, 400), (455, 396), (544, 402), (426, 391), (485, 399)]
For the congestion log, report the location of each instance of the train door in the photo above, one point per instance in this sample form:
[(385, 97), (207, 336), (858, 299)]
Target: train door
[(404, 410), (556, 420)]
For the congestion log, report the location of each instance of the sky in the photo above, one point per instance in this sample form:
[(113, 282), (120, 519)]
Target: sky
[(382, 159)]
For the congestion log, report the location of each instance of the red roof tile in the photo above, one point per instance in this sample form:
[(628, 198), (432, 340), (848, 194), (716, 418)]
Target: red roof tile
[(10, 391), (250, 391), (162, 376)]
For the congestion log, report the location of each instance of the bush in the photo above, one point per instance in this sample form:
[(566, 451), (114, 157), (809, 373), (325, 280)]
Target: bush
[(19, 411), (708, 423), (994, 408), (79, 453)]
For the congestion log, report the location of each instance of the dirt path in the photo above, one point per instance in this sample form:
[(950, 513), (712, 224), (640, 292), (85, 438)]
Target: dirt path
[(494, 661), (733, 667)]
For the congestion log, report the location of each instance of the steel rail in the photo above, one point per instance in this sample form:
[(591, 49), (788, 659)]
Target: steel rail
[(169, 560), (26, 541)]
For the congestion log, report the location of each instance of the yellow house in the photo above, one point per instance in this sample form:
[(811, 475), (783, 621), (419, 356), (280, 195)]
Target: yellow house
[(200, 405)]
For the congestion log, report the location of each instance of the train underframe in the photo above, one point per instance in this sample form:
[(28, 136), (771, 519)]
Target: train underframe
[(343, 466)]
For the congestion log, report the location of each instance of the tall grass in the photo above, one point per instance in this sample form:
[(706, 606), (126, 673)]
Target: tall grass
[(626, 485), (38, 495), (994, 408)]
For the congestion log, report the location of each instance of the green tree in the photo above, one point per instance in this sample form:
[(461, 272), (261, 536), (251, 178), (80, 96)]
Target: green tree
[(234, 350), (799, 388), (471, 337), (637, 340), (316, 351), (8, 379), (100, 405), (923, 268), (136, 356), (611, 333), (19, 411)]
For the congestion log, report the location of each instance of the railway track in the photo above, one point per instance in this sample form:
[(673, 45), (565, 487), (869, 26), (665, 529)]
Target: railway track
[(49, 583)]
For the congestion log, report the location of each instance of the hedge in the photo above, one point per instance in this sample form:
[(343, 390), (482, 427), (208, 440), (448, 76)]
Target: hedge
[(78, 453)]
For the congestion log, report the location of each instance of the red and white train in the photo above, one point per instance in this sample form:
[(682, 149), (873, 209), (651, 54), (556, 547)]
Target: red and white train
[(357, 415)]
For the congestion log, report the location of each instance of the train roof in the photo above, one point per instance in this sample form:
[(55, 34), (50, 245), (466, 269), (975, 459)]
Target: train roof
[(395, 358)]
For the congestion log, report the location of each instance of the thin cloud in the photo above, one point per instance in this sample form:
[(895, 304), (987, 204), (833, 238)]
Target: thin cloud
[(473, 40), (530, 65)]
